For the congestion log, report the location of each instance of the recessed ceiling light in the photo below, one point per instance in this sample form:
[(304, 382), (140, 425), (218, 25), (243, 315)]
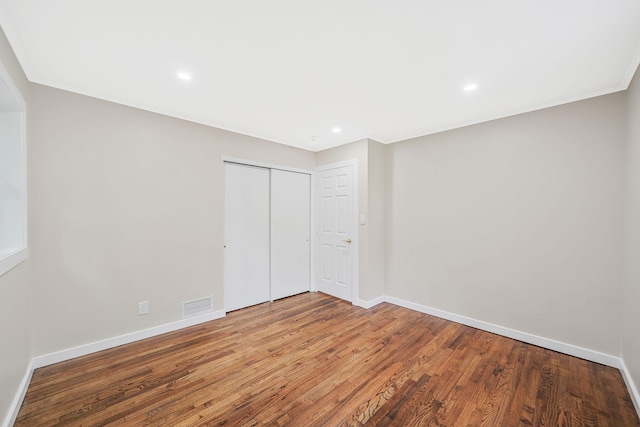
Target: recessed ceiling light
[(336, 130), (184, 76), (470, 87)]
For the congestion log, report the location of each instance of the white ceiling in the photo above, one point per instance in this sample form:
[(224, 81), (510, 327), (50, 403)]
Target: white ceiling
[(290, 70)]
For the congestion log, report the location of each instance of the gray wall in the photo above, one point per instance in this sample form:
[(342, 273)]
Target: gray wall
[(377, 219), (631, 295), (15, 291), (516, 222), (126, 206)]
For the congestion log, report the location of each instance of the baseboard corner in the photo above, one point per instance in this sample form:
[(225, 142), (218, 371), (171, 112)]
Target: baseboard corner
[(631, 386), (371, 303), (16, 403)]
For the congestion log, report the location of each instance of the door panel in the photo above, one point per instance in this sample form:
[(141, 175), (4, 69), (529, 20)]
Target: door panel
[(335, 206), (342, 221), (326, 272), (326, 214), (342, 268), (290, 225), (246, 258)]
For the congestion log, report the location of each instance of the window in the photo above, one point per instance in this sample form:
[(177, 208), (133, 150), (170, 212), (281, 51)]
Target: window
[(13, 189)]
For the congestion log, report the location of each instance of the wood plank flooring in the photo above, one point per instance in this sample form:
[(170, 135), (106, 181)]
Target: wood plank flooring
[(313, 360)]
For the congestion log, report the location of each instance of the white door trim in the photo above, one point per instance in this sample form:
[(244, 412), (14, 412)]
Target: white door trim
[(312, 236), (355, 224), (228, 159)]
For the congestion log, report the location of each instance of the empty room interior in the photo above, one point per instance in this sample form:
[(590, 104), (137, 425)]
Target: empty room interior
[(319, 213)]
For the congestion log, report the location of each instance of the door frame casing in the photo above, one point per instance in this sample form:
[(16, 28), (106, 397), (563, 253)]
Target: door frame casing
[(312, 201), (354, 224)]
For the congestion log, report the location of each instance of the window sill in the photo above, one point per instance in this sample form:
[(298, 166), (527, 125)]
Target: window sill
[(11, 260)]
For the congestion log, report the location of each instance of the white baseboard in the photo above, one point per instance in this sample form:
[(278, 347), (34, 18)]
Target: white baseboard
[(82, 350), (370, 303), (572, 350), (561, 347), (14, 408), (631, 386)]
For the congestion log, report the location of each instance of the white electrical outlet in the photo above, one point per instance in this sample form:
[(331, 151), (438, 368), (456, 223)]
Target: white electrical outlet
[(143, 307)]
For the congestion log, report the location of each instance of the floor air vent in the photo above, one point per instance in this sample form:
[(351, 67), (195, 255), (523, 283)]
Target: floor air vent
[(197, 307)]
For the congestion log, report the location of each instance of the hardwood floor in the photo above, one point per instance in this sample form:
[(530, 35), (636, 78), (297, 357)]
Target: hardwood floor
[(313, 360)]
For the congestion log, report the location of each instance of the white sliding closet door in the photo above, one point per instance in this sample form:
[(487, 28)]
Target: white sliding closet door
[(290, 225), (246, 258)]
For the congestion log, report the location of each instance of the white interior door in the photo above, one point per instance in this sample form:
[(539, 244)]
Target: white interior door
[(290, 225), (335, 223), (246, 258)]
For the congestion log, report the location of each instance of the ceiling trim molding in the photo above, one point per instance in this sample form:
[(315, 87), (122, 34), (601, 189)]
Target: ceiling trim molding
[(486, 119), (115, 100), (631, 70), (544, 106)]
